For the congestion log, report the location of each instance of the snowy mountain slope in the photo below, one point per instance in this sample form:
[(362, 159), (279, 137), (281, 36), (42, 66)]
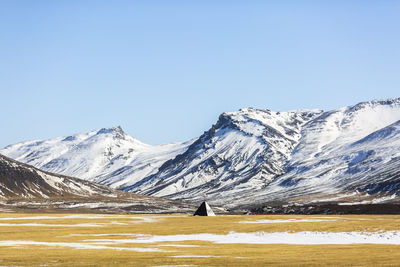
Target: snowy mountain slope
[(336, 128), (19, 180), (360, 151), (244, 150), (108, 156), (26, 188)]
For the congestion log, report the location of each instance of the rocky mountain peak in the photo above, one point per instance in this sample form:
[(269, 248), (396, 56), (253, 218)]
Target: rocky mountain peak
[(116, 131)]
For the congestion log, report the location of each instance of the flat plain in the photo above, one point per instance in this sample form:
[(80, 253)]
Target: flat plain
[(183, 240)]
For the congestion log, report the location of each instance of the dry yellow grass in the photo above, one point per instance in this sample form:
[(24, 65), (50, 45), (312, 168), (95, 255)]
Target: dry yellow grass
[(116, 227)]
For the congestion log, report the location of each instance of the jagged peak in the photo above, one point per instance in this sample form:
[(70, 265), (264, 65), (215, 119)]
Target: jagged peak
[(248, 110), (113, 129), (118, 133), (266, 114), (251, 111)]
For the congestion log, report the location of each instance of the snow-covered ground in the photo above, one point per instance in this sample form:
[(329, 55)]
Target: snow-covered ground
[(297, 238), (260, 238), (290, 220)]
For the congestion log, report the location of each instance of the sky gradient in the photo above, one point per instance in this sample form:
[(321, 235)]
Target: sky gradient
[(165, 70)]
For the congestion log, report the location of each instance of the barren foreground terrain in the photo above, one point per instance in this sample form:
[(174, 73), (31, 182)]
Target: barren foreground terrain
[(231, 240)]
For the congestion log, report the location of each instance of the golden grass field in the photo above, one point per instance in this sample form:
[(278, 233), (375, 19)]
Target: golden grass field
[(112, 240)]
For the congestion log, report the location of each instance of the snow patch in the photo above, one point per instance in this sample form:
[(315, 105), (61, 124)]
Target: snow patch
[(289, 221), (194, 256), (298, 238)]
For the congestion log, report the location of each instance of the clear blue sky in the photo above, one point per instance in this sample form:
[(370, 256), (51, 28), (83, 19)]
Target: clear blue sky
[(165, 70)]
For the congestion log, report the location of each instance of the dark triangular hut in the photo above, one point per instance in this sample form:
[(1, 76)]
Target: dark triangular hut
[(204, 210)]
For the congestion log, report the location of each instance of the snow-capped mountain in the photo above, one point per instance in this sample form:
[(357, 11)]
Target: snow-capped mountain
[(243, 151), (351, 149), (259, 155), (249, 155), (108, 156)]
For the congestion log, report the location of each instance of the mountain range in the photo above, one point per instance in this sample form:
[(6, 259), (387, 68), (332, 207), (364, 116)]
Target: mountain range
[(247, 156)]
